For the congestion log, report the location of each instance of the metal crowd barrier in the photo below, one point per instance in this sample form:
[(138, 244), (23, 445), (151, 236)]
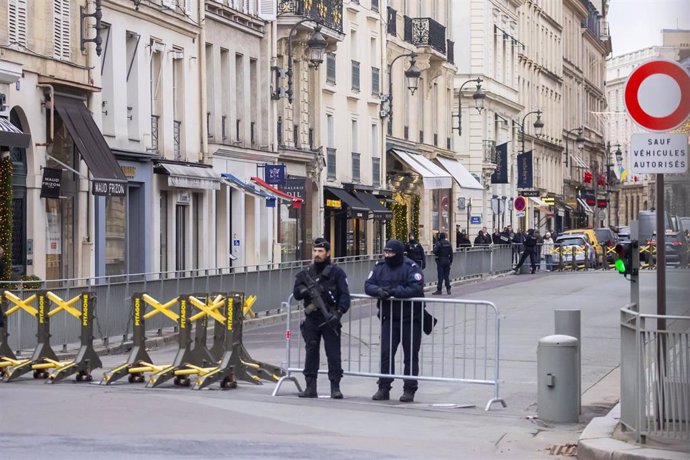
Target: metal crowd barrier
[(463, 348), (655, 375), (268, 281)]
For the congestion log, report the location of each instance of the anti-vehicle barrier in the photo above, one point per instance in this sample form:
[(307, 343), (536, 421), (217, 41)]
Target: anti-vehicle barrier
[(44, 358), (269, 282), (227, 358), (463, 348)]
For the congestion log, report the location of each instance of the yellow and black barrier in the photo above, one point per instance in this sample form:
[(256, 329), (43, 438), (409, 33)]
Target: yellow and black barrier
[(44, 358), (236, 362), (139, 360), (7, 358), (648, 257)]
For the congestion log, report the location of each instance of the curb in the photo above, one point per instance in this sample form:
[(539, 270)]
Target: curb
[(597, 442)]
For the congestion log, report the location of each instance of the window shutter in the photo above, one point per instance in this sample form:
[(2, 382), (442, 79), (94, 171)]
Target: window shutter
[(66, 30), (21, 22), (188, 7), (57, 29), (12, 21), (267, 10)]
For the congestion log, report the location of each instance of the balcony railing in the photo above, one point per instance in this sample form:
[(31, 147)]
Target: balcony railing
[(356, 170), (391, 18), (489, 148), (330, 163), (154, 132), (376, 171), (328, 12), (177, 130), (425, 32)]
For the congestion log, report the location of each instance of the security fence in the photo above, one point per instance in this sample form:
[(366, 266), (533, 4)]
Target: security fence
[(460, 342), (269, 282), (655, 375)]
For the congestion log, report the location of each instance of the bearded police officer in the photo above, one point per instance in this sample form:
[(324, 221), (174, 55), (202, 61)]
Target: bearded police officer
[(323, 314), (401, 321)]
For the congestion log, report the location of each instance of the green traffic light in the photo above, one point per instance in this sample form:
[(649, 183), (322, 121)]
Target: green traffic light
[(620, 265)]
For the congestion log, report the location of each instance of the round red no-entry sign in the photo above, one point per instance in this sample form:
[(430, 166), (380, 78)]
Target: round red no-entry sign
[(519, 203), (657, 95)]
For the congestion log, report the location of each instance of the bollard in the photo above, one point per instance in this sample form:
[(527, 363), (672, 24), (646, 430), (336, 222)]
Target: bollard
[(557, 389), (567, 322)]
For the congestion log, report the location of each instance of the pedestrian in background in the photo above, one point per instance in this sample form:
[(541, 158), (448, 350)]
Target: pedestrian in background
[(401, 321), (444, 259), (530, 243), (547, 248), (496, 236), (464, 241), (540, 243), (336, 295), (415, 251)]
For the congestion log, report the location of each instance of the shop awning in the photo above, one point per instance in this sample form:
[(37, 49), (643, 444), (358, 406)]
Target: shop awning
[(433, 176), (585, 206), (353, 203), (108, 178), (251, 189), (11, 136), (539, 202), (377, 210), (187, 176), (468, 184), (295, 200)]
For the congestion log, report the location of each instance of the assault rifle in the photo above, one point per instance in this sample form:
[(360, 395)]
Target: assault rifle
[(316, 293)]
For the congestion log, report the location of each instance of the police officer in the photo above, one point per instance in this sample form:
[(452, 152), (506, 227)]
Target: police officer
[(401, 321), (444, 259), (530, 242), (415, 251), (336, 295)]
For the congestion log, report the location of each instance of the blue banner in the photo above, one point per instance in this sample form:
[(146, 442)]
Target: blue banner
[(525, 175), (275, 174), (501, 174)]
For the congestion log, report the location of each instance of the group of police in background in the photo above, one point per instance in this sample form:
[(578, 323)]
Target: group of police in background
[(394, 278)]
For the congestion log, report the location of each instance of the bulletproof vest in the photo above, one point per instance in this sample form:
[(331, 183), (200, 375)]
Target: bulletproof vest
[(327, 280)]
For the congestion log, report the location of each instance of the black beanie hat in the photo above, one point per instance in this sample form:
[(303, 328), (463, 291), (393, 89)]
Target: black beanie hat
[(397, 248)]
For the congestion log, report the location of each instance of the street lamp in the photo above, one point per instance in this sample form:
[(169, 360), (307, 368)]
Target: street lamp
[(538, 127), (316, 45), (412, 75), (479, 96), (579, 142)]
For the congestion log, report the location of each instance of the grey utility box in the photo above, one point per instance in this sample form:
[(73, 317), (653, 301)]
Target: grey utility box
[(557, 379)]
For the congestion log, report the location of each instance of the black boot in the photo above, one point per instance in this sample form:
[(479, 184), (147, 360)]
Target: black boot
[(382, 394), (407, 396), (448, 290), (310, 390), (439, 292), (335, 390)]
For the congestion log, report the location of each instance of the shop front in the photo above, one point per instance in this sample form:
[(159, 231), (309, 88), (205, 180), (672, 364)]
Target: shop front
[(380, 216), (345, 222), (468, 189)]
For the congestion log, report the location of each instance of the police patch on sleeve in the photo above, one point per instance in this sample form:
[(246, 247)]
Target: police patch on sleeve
[(371, 273), (418, 276)]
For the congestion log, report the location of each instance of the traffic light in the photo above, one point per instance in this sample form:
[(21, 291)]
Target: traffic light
[(624, 262)]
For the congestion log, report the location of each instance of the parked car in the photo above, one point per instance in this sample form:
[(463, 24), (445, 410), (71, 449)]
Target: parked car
[(607, 240), (676, 245), (566, 243), (598, 259)]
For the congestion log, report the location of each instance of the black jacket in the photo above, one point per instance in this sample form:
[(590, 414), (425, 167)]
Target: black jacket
[(403, 282), (443, 252), (530, 243), (334, 280), (415, 251)]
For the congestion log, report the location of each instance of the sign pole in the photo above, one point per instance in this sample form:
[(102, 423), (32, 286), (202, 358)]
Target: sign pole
[(660, 253)]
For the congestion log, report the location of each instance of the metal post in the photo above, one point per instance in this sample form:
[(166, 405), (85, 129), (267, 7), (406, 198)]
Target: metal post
[(567, 322), (660, 253)]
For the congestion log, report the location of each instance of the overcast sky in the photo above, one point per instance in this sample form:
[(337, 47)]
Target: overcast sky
[(636, 24)]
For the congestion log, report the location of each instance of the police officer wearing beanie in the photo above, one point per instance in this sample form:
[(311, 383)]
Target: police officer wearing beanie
[(444, 259), (336, 295), (397, 276)]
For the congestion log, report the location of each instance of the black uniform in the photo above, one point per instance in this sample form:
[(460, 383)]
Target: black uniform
[(415, 251), (530, 244), (337, 297), (444, 258), (401, 321)]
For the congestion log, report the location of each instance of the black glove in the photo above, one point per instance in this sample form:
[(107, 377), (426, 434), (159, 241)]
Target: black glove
[(335, 318), (383, 294)]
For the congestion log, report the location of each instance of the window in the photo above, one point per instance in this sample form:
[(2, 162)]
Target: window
[(376, 172), (375, 81), (330, 68), (210, 91), (355, 167), (330, 149), (17, 22), (61, 29), (355, 75), (355, 136), (239, 94)]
